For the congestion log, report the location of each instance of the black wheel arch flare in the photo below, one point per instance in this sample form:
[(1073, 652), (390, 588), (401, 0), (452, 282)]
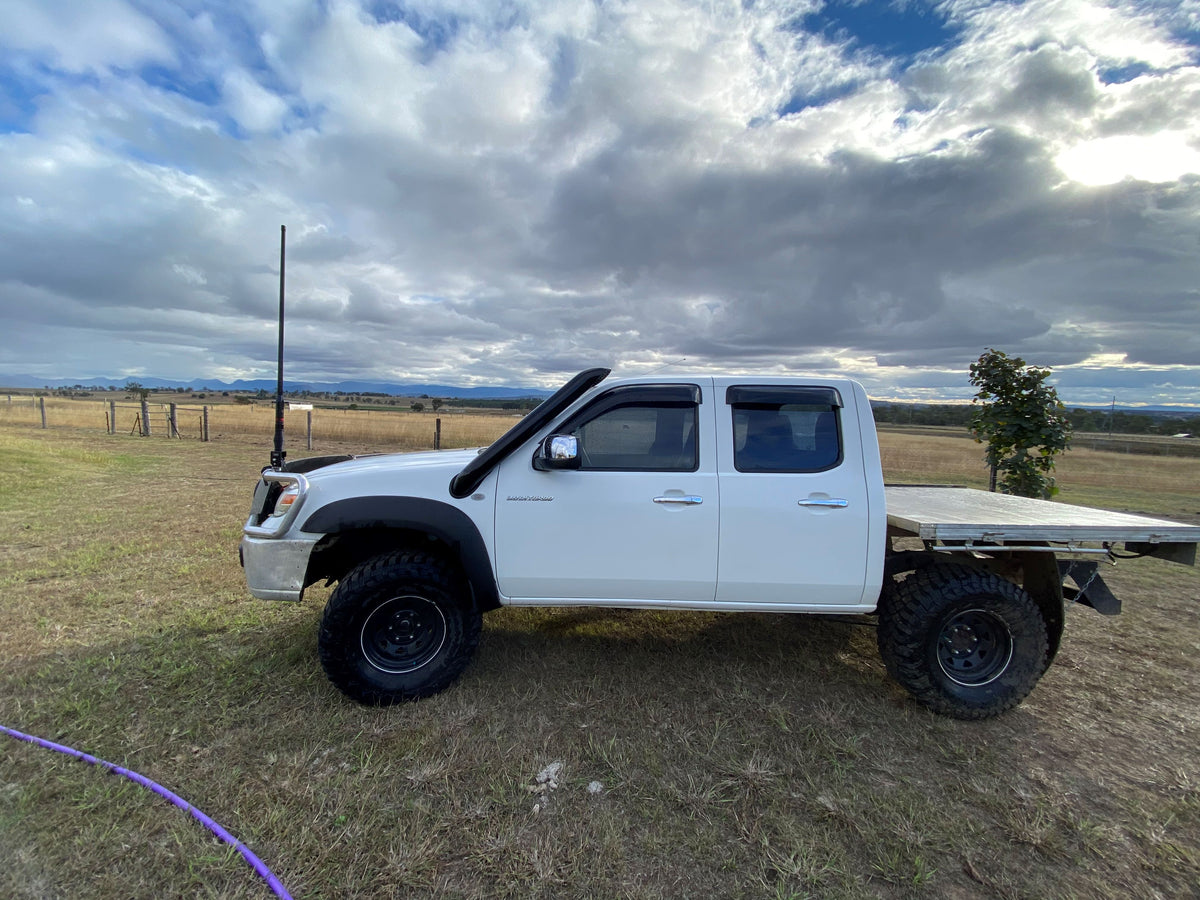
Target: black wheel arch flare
[(415, 514)]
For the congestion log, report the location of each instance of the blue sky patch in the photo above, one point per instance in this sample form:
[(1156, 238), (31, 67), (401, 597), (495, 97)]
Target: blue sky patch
[(1188, 34), (436, 34), (1177, 20), (1122, 74), (801, 100), (201, 90), (18, 102), (892, 29)]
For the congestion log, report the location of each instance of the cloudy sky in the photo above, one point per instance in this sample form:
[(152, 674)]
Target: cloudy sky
[(504, 192)]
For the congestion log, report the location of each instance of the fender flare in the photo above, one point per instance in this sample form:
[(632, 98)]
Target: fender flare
[(445, 522)]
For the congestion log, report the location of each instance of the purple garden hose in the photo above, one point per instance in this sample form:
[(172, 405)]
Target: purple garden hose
[(255, 863)]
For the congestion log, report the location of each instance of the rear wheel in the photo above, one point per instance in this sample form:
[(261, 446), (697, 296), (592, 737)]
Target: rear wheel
[(963, 642), (399, 627)]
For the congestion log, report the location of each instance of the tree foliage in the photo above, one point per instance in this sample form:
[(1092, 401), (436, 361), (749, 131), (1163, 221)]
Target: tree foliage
[(1021, 420)]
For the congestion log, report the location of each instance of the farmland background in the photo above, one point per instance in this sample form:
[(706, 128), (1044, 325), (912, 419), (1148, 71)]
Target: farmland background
[(366, 429), (738, 755)]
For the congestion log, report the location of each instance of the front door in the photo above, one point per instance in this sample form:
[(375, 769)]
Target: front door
[(636, 524)]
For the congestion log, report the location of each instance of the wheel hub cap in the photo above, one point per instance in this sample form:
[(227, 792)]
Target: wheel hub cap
[(403, 634), (974, 647)]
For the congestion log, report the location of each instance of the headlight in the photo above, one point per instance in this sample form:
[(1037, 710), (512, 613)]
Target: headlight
[(286, 499)]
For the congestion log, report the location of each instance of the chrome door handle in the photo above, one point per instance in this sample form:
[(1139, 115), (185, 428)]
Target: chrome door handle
[(684, 500), (834, 503)]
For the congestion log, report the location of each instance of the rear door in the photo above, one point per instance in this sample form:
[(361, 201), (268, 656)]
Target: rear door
[(636, 524), (794, 501)]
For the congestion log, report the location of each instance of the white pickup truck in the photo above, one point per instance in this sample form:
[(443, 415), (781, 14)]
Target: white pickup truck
[(694, 493)]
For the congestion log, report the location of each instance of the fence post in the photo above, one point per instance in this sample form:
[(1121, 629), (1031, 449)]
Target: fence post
[(437, 435), (42, 404), (173, 418), (145, 419), (310, 429), (112, 416), (204, 426)]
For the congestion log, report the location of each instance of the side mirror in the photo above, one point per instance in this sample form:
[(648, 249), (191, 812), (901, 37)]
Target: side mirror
[(557, 451)]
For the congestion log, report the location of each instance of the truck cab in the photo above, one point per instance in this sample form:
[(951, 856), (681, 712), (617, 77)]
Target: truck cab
[(700, 493)]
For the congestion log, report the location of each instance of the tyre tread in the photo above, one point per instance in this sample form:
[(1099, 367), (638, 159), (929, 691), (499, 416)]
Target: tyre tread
[(377, 574), (907, 608)]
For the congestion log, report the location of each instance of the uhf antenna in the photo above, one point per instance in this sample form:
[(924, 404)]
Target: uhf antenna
[(666, 365), (278, 454)]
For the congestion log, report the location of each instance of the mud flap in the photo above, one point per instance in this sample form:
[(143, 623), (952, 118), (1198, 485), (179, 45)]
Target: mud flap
[(1090, 589)]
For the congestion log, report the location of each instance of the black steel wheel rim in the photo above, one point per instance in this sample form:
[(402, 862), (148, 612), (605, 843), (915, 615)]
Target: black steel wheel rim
[(403, 634), (974, 647)]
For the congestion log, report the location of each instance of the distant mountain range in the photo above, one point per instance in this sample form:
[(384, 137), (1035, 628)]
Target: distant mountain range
[(261, 384), (446, 391)]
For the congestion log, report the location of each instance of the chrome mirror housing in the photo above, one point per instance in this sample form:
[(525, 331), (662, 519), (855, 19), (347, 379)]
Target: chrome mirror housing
[(557, 451)]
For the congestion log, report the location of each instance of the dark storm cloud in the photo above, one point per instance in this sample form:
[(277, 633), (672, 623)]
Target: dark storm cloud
[(854, 253)]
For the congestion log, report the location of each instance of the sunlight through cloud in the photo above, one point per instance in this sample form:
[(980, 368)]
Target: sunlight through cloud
[(1166, 156)]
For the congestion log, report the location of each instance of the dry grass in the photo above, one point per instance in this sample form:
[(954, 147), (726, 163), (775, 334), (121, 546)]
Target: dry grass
[(949, 457), (375, 429), (332, 428), (739, 755)]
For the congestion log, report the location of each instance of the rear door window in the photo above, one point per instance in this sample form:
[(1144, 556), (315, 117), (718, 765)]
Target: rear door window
[(785, 429)]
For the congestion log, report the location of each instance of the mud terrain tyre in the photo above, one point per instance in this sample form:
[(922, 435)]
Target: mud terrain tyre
[(399, 627), (963, 642)]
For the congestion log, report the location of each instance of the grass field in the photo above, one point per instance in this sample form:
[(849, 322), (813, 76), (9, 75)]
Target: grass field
[(392, 429), (739, 755)]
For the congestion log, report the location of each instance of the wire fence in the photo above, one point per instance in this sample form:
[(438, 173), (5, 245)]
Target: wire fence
[(304, 426)]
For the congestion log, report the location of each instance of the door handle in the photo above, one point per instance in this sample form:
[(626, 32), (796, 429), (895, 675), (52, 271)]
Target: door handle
[(834, 503), (683, 500)]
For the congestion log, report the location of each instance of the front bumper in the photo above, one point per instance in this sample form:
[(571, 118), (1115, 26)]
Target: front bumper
[(275, 568)]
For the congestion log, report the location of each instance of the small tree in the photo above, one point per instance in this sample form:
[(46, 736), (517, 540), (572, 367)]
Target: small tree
[(436, 403), (1021, 420), (417, 406), (136, 391)]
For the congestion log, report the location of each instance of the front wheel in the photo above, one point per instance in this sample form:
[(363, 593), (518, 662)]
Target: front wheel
[(397, 628), (963, 642)]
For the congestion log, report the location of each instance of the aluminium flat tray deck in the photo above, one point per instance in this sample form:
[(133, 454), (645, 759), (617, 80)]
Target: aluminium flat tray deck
[(966, 514)]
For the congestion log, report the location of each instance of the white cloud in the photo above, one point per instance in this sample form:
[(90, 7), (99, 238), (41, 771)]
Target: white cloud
[(253, 106), (505, 193), (80, 36)]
